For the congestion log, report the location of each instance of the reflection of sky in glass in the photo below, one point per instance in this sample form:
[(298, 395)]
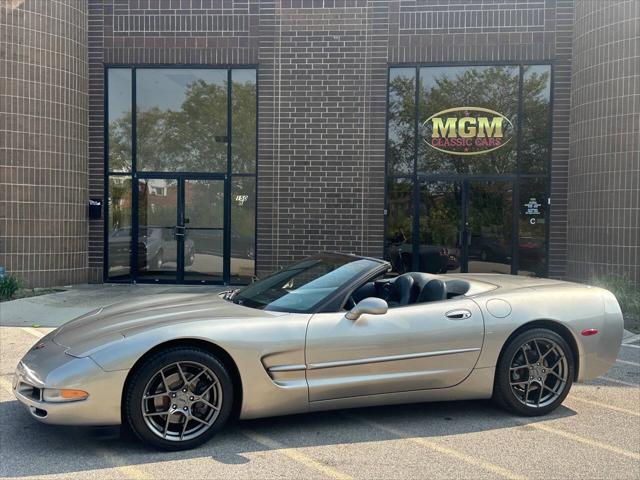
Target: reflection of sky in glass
[(165, 88), (243, 76), (539, 70), (119, 80)]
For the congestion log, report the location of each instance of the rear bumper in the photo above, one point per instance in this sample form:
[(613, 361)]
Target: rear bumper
[(51, 367)]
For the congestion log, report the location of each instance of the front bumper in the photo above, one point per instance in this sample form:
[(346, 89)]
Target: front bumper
[(48, 366)]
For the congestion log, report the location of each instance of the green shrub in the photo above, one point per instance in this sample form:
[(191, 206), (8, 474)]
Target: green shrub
[(9, 285), (625, 291)]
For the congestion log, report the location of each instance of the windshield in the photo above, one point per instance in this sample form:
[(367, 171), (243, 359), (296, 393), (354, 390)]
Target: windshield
[(302, 287)]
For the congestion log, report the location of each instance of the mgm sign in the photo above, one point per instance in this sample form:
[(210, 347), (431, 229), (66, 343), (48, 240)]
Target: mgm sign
[(467, 131)]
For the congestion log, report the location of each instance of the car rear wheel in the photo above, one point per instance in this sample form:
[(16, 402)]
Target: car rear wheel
[(179, 398), (534, 373)]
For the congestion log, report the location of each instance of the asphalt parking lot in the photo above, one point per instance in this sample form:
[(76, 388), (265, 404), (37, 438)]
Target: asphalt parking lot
[(595, 434)]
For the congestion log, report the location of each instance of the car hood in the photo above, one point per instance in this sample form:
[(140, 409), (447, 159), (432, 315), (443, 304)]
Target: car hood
[(95, 330)]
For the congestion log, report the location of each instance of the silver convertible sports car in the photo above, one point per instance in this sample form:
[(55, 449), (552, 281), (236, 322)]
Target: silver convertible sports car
[(328, 332)]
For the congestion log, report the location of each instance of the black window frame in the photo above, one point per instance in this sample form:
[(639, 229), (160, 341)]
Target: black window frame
[(133, 174), (417, 178)]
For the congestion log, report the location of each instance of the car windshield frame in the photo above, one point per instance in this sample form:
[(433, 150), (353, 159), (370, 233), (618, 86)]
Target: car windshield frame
[(323, 277)]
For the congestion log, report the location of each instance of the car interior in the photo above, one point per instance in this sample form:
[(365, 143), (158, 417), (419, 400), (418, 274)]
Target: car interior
[(412, 288)]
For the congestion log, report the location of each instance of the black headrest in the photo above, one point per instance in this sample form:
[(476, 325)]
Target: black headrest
[(434, 291), (402, 289)]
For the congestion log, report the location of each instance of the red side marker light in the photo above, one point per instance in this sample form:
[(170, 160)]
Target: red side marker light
[(587, 332)]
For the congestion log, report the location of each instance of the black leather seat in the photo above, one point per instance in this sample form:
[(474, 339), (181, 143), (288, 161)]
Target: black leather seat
[(434, 291), (401, 291)]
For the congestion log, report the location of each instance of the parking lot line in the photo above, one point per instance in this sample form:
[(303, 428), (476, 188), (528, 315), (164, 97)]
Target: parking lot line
[(6, 384), (604, 405), (630, 345), (621, 382), (296, 455), (34, 332), (470, 459), (626, 362), (586, 441)]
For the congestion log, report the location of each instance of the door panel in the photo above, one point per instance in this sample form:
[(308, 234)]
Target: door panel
[(157, 221), (441, 227), (409, 348), (490, 221)]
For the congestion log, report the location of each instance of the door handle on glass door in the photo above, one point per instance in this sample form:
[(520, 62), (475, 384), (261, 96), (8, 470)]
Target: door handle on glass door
[(458, 314)]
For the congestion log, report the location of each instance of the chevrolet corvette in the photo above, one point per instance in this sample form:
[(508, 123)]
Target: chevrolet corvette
[(329, 332)]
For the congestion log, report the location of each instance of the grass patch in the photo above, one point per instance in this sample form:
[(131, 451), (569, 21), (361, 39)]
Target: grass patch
[(11, 289), (628, 296)]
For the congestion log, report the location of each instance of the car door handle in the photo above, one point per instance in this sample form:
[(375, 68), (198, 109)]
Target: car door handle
[(458, 314)]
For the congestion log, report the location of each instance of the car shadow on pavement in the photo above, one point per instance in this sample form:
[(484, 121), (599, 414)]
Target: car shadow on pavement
[(31, 448)]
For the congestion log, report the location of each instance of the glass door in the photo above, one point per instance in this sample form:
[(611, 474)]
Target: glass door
[(202, 230), (463, 225), (441, 227), (180, 233), (489, 226), (155, 235)]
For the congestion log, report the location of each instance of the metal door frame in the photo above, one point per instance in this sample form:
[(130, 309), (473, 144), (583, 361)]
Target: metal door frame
[(464, 181), (180, 227)]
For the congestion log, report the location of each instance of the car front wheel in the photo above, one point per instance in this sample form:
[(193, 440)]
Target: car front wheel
[(534, 373), (179, 398)]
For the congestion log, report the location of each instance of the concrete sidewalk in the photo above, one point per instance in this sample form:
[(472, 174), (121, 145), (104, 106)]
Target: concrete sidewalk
[(54, 309)]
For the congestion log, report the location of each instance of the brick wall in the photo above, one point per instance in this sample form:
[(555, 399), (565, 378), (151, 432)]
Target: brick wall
[(604, 169), (322, 96), (43, 141)]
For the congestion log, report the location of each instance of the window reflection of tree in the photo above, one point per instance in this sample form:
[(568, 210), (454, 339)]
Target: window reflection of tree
[(193, 138), (495, 88)]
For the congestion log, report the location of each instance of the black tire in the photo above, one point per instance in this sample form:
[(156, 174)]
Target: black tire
[(515, 398), (149, 369)]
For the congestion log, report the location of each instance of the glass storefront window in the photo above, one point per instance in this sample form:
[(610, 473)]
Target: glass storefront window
[(465, 111), (441, 225), (181, 120), (483, 136), (399, 223), (243, 228), (402, 121), (119, 120), (176, 146), (532, 225), (536, 134), (243, 111), (119, 226)]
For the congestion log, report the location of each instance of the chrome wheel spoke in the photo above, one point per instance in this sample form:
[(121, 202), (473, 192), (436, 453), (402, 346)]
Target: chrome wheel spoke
[(194, 379), (199, 420), (166, 426), (156, 395), (540, 395), (210, 405), (164, 381), (184, 426), (182, 375), (155, 414)]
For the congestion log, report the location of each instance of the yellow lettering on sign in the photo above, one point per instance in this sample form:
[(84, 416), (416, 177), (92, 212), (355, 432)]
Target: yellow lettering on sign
[(446, 130), (467, 131), (490, 129)]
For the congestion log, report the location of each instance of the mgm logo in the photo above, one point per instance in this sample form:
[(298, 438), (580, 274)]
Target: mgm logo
[(467, 131)]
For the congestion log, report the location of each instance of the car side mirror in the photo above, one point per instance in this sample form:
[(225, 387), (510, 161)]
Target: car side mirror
[(370, 305)]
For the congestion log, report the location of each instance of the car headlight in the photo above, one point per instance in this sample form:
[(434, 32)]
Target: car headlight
[(56, 395)]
